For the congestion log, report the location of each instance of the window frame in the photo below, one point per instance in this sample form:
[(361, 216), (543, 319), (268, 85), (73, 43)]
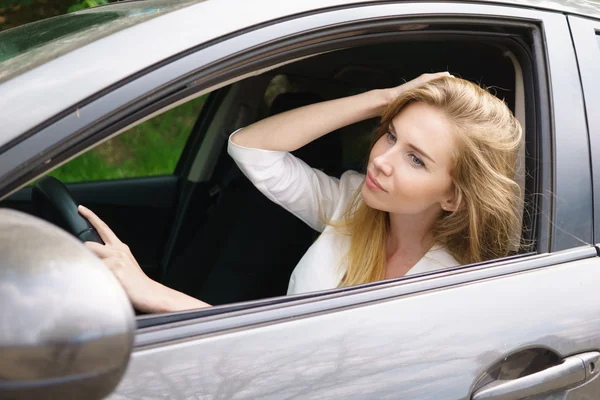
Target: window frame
[(586, 38)]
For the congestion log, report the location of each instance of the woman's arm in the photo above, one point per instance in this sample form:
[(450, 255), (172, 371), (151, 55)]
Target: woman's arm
[(145, 294), (293, 129)]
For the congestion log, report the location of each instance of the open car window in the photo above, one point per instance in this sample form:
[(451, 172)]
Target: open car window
[(238, 220), (264, 254)]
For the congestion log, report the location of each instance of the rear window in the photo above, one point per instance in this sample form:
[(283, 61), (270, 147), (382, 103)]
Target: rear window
[(28, 46)]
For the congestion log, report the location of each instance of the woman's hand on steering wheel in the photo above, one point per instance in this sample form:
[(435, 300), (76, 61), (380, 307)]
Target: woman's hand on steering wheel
[(117, 256)]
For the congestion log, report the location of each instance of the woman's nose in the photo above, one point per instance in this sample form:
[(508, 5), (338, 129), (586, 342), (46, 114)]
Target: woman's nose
[(382, 164)]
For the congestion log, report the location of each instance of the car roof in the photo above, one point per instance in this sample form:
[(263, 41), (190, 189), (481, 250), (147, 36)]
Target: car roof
[(64, 76)]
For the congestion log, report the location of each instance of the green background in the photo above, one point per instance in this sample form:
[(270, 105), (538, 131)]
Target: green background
[(148, 149)]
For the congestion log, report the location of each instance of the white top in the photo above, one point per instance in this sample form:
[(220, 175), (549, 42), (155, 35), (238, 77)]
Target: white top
[(300, 189)]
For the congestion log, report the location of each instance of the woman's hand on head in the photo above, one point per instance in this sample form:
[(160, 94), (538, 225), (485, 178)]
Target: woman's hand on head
[(393, 93), (117, 256)]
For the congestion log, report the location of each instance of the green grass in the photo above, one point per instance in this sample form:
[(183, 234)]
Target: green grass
[(149, 149)]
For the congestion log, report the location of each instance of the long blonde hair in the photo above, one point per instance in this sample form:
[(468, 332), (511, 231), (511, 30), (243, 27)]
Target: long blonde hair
[(486, 224)]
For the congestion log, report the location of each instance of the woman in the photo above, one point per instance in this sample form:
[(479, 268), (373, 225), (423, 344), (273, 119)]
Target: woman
[(438, 189)]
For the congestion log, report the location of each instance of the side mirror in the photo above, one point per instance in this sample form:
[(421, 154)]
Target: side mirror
[(66, 324)]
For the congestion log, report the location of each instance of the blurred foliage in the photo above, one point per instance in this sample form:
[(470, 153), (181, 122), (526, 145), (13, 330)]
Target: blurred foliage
[(86, 4), (148, 149), (19, 12)]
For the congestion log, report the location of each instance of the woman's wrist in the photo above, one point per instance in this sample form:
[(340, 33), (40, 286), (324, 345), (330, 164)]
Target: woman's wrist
[(380, 99), (162, 299)]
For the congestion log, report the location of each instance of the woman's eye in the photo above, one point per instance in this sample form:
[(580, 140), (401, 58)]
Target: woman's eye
[(416, 160), (390, 137)]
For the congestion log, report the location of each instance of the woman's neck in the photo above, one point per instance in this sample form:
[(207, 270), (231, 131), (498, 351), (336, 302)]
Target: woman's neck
[(410, 235)]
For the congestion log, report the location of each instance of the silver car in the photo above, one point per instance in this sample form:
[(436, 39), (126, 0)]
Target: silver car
[(78, 87)]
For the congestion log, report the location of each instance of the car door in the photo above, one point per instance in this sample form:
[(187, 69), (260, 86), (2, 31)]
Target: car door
[(518, 327), (527, 326)]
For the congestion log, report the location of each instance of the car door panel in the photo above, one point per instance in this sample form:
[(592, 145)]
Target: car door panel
[(433, 344)]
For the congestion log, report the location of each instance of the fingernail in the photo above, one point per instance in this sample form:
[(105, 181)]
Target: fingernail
[(82, 207)]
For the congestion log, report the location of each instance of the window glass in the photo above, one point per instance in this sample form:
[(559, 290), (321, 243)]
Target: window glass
[(27, 46), (148, 149)]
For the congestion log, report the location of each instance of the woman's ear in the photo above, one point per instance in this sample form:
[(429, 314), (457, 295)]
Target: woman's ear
[(449, 205), (452, 204)]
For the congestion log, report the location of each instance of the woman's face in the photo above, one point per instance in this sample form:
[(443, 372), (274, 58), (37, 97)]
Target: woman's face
[(409, 167)]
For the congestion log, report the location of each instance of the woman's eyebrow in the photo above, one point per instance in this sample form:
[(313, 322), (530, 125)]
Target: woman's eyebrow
[(418, 150)]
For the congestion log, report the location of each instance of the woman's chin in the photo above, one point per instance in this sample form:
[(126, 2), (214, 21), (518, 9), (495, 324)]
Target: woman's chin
[(369, 199)]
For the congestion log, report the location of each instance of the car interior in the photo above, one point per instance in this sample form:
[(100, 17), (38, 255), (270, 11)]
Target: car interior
[(207, 232)]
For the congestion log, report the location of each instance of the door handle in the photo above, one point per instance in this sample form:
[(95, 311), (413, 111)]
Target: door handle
[(573, 371)]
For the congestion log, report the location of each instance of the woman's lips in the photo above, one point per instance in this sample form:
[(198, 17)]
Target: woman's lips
[(372, 183)]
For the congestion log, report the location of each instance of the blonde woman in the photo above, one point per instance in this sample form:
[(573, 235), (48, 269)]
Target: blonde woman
[(438, 189)]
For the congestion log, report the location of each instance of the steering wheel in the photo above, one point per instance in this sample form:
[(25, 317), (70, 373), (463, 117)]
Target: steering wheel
[(53, 202)]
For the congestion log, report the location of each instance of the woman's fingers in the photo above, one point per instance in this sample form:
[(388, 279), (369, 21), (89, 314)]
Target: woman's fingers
[(107, 235), (116, 260), (100, 250), (110, 254), (435, 75), (393, 93), (430, 77)]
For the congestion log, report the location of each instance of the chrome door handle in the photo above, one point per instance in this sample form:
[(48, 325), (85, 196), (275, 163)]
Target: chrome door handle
[(572, 371)]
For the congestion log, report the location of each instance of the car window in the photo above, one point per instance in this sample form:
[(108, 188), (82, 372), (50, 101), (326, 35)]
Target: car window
[(149, 149)]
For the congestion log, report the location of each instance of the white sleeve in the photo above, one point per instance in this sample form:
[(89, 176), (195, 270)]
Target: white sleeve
[(307, 193)]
